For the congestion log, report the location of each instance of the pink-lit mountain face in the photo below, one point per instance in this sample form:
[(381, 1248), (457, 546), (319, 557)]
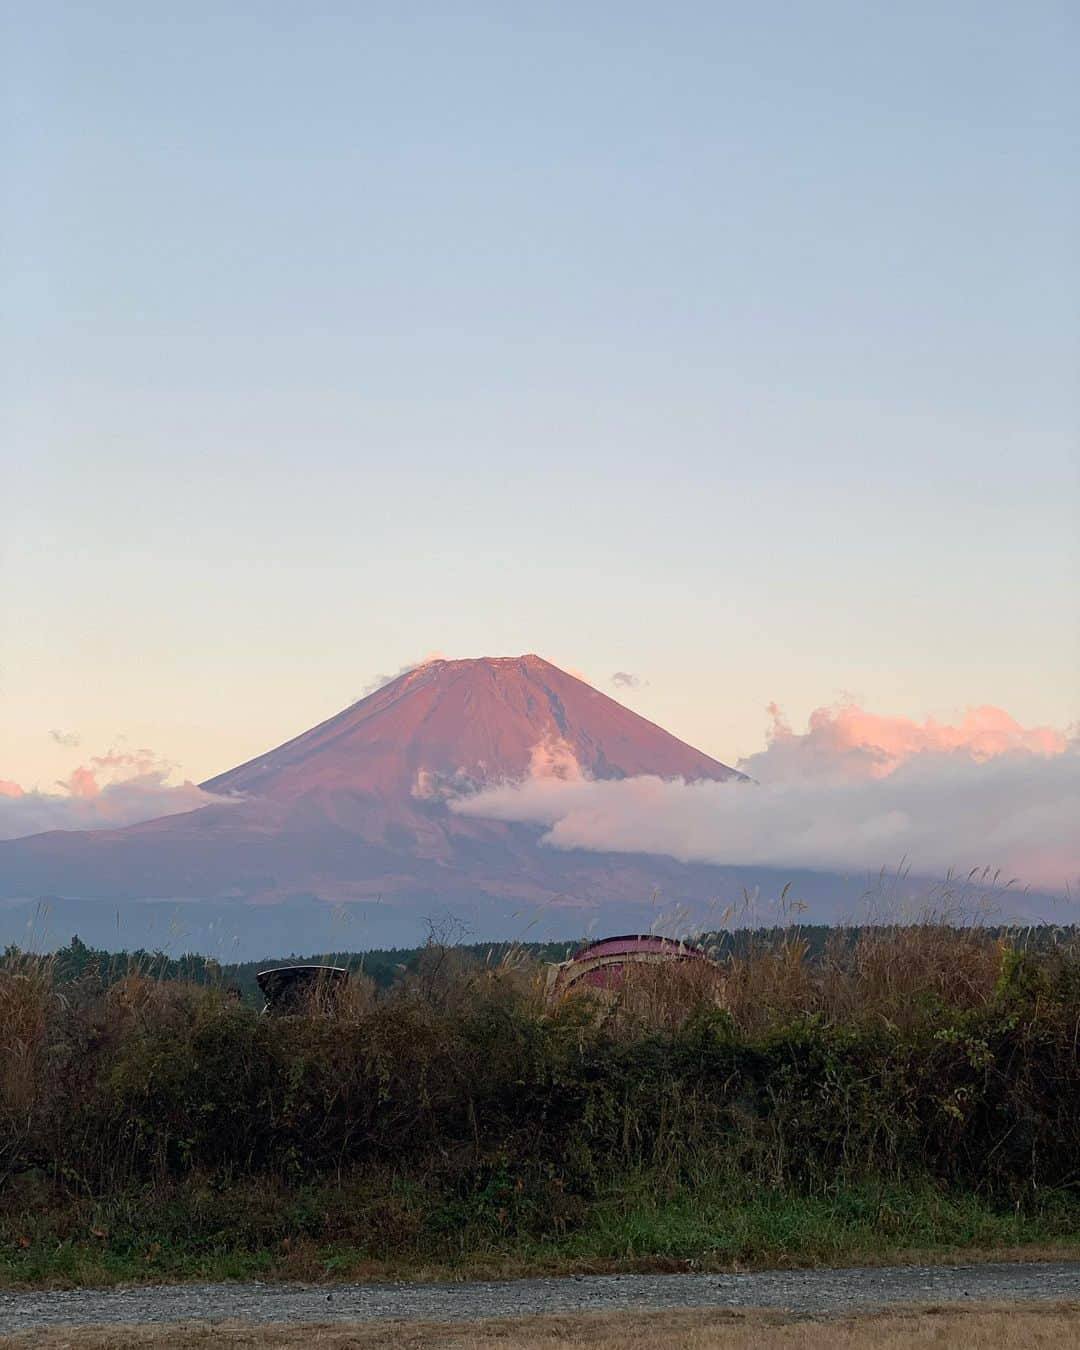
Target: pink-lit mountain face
[(356, 809), (449, 725), (384, 769)]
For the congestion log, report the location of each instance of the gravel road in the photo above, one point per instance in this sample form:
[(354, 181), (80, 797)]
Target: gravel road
[(810, 1291)]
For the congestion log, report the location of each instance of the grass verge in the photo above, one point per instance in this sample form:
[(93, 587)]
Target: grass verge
[(627, 1229)]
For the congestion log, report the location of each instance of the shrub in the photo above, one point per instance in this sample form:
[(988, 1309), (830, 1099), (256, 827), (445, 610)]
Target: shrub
[(929, 1053)]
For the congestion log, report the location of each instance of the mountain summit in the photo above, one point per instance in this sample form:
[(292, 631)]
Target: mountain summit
[(467, 723)]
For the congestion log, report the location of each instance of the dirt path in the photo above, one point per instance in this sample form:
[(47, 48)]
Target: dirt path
[(1014, 1326), (814, 1292)]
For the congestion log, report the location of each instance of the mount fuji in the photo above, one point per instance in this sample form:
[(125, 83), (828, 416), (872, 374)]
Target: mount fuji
[(344, 837)]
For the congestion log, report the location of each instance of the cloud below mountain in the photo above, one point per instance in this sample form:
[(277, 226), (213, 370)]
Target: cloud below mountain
[(854, 791)]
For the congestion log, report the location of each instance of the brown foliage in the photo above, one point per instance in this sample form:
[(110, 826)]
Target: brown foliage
[(923, 1048)]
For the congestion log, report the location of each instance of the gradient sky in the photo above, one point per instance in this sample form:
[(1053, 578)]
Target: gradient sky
[(731, 345)]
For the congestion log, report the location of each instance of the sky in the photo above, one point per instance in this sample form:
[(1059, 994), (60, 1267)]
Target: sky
[(730, 347)]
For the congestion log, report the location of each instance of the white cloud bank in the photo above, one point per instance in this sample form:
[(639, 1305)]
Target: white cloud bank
[(854, 792), (116, 789)]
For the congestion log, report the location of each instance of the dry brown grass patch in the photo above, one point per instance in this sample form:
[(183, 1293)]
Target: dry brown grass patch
[(1002, 1327)]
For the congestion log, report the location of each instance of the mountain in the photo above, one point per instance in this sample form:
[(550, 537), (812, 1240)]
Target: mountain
[(478, 720), (350, 821)]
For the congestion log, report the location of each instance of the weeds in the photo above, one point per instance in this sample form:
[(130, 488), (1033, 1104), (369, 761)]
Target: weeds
[(912, 1087)]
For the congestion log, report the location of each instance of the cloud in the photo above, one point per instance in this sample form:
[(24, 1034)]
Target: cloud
[(68, 739), (432, 786), (118, 766), (853, 792), (846, 741), (119, 788), (553, 760), (623, 679)]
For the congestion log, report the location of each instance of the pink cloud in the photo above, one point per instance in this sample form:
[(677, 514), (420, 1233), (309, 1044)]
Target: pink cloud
[(118, 788), (82, 783), (847, 741), (89, 780)]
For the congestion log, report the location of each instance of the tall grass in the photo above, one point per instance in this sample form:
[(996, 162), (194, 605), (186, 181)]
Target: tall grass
[(460, 1111)]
